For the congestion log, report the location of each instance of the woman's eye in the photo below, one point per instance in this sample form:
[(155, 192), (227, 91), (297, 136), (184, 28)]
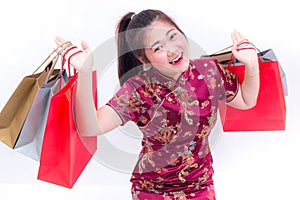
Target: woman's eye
[(172, 36), (158, 48)]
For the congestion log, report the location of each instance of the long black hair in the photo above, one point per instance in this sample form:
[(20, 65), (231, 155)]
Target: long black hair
[(129, 38)]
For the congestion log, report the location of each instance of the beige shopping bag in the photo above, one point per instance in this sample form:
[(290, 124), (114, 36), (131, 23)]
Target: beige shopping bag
[(15, 111)]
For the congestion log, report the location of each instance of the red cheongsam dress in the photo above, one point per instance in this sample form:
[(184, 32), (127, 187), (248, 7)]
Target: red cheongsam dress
[(175, 117)]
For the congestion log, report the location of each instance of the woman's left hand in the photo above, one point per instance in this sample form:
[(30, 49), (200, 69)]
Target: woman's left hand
[(246, 56), (83, 61)]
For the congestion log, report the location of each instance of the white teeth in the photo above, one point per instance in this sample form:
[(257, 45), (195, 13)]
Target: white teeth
[(176, 59)]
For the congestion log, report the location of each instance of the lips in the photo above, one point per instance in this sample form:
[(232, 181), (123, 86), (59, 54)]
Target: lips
[(177, 59)]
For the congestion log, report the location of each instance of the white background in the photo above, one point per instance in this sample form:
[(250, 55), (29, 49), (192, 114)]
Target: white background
[(255, 165)]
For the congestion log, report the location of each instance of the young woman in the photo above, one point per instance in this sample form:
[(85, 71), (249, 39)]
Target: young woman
[(172, 99)]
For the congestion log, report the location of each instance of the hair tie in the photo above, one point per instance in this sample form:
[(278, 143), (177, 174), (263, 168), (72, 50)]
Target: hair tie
[(132, 16)]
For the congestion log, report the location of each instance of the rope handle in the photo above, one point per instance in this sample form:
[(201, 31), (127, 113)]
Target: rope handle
[(244, 41), (57, 50), (222, 50), (244, 48), (69, 62)]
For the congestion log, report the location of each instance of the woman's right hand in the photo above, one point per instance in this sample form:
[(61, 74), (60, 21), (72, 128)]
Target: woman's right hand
[(83, 61), (246, 56)]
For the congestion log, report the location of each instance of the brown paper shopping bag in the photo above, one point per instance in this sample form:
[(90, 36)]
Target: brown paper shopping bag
[(31, 136), (15, 111)]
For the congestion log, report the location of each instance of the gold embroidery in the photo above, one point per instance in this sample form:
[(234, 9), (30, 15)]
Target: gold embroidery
[(147, 156), (205, 104), (188, 160), (167, 133), (186, 103)]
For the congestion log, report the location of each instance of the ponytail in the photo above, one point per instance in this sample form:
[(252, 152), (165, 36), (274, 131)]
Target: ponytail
[(130, 37), (127, 61)]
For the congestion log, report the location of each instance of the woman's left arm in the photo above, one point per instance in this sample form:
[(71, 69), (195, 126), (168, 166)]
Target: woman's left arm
[(247, 94)]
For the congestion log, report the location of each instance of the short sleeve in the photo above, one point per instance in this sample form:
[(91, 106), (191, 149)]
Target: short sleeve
[(229, 85), (222, 83), (127, 103)]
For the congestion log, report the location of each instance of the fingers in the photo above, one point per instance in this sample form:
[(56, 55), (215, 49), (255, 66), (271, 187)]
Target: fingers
[(239, 42), (59, 40), (235, 40), (62, 44), (69, 52), (85, 47), (234, 51), (237, 37)]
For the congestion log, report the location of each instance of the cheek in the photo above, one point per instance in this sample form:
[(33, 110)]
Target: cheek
[(182, 42), (158, 58)]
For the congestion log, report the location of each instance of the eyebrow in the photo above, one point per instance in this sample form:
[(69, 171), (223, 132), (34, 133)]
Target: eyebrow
[(167, 33)]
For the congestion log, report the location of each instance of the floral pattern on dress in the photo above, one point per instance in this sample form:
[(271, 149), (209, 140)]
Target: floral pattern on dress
[(176, 118)]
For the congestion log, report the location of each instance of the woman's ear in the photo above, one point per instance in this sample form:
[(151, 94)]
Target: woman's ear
[(142, 59)]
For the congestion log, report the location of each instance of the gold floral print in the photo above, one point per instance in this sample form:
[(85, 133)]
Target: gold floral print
[(167, 133), (180, 196), (212, 82), (188, 161), (173, 160), (146, 157), (186, 102), (147, 184), (176, 118), (204, 104), (230, 95)]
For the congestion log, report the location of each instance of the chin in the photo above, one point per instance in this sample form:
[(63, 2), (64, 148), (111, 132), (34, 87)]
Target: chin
[(184, 65)]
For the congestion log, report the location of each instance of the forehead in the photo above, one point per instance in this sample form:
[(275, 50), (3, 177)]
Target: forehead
[(157, 30), (156, 25)]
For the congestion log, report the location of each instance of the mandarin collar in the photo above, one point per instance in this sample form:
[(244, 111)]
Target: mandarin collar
[(158, 77)]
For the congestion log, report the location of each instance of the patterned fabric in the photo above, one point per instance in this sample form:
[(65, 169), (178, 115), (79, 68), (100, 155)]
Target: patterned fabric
[(175, 118), (205, 193)]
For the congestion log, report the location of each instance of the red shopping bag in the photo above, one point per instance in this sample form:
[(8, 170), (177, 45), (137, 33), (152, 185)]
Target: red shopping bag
[(65, 153), (270, 110)]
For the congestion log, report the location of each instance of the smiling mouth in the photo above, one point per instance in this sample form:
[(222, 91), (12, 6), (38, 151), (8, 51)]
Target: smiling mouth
[(177, 59)]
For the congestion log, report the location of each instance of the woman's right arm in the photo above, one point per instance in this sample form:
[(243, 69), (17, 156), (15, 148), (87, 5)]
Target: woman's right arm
[(89, 120)]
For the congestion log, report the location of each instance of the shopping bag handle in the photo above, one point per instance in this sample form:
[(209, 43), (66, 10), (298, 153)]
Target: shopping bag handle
[(229, 47), (222, 50), (245, 48), (68, 63), (51, 70), (57, 50)]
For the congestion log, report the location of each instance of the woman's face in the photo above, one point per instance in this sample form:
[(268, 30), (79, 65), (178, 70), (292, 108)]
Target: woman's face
[(166, 49)]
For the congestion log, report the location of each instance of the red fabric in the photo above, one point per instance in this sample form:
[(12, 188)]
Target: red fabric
[(65, 153), (205, 193), (176, 118), (270, 110)]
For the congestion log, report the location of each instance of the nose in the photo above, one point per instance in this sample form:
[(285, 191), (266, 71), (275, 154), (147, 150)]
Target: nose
[(170, 53), (171, 49)]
